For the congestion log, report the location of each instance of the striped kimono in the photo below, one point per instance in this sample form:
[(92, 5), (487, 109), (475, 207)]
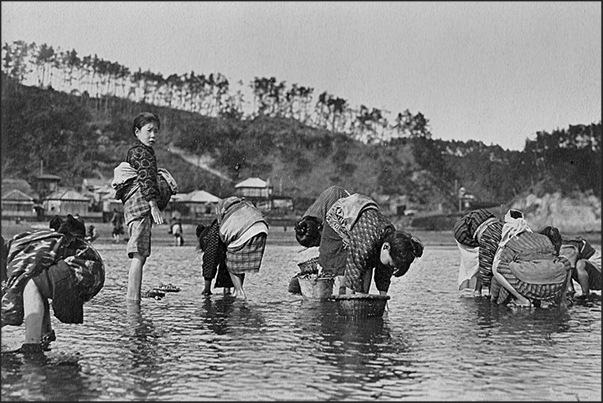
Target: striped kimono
[(528, 262), (479, 229)]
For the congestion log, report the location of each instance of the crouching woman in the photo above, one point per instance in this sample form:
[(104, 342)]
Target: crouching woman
[(49, 265), (477, 235), (357, 239), (527, 267), (243, 229)]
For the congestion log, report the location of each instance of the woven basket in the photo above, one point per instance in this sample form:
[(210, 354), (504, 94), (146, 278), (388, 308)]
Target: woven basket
[(316, 288), (309, 266), (360, 305)]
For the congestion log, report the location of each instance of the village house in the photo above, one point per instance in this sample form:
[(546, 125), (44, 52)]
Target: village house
[(67, 201), (18, 205), (257, 191), (47, 184), (97, 190), (197, 203)]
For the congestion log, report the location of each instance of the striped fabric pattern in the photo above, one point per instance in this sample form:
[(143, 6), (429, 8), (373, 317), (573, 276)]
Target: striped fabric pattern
[(136, 207), (464, 229), (487, 249), (526, 247), (248, 257)]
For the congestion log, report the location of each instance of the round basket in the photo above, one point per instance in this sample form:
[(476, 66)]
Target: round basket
[(360, 305), (316, 288)]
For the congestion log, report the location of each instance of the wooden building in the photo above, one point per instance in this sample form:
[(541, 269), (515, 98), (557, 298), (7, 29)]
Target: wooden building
[(17, 204), (198, 203), (257, 191), (66, 201)]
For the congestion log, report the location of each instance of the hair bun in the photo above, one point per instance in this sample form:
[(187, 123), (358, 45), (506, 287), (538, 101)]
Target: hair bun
[(417, 246)]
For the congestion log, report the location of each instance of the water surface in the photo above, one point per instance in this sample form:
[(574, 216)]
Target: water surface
[(432, 344)]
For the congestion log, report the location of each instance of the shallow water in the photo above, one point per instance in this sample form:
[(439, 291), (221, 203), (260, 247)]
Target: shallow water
[(431, 344)]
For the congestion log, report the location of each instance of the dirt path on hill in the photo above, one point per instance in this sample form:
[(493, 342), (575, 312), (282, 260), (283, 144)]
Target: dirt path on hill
[(198, 161)]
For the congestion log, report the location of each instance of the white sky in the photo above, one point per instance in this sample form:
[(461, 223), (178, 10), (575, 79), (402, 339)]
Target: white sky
[(495, 72)]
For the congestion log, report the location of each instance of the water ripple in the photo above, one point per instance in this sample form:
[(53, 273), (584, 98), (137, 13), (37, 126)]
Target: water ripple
[(430, 345)]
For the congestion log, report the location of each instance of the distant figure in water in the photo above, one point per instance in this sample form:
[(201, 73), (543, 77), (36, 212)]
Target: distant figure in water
[(176, 231), (91, 234)]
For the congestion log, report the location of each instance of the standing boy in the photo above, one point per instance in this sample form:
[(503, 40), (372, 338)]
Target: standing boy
[(144, 195)]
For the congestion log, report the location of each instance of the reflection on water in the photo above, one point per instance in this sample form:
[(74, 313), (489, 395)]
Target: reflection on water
[(431, 344)]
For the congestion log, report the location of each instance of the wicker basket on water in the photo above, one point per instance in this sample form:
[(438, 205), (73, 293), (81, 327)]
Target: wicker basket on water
[(360, 305), (314, 287)]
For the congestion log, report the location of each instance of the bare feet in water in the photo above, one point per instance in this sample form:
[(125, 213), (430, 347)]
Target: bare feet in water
[(523, 302), (240, 294)]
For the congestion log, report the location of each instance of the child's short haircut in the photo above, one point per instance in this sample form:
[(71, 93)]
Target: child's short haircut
[(143, 119)]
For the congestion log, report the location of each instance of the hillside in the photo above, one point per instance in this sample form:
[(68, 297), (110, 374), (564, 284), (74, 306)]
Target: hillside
[(578, 214), (77, 137)]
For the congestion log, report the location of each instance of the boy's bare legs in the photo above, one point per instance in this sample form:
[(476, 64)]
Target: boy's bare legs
[(135, 277), (34, 313)]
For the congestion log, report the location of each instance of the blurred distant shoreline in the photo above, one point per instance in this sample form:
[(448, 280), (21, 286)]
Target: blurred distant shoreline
[(278, 234)]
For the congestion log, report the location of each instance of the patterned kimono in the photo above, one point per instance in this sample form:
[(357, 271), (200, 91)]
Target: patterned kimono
[(132, 194), (66, 269), (214, 257), (324, 202), (352, 241)]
